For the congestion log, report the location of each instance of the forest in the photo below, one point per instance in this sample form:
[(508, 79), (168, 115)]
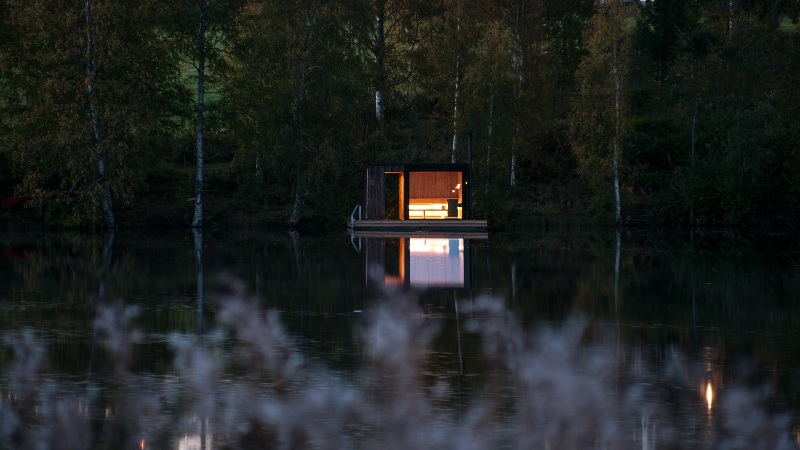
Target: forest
[(195, 113)]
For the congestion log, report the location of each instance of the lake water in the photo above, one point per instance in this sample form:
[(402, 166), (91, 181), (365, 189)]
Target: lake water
[(558, 340)]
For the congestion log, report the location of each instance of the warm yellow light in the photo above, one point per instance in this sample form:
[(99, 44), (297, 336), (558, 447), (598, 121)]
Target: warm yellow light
[(458, 186), (142, 445), (709, 395), (427, 211), (429, 245)]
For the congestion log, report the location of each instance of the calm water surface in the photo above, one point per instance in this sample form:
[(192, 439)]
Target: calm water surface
[(275, 340)]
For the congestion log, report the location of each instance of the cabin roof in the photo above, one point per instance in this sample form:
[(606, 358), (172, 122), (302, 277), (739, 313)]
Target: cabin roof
[(420, 167)]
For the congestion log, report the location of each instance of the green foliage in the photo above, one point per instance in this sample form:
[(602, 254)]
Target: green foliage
[(295, 102), (708, 104), (600, 119), (726, 89), (45, 102)]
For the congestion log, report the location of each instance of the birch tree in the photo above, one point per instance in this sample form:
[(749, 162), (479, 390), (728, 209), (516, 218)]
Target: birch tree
[(97, 136), (488, 84), (89, 88), (395, 42), (456, 82), (296, 91), (599, 118), (199, 29), (518, 59), (199, 54)]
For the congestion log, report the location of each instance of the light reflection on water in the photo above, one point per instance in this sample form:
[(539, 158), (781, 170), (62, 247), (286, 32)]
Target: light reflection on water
[(676, 356)]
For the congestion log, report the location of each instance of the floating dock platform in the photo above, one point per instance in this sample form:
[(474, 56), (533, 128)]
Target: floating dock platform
[(458, 226)]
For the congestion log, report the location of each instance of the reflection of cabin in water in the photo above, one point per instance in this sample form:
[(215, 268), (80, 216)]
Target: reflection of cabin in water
[(416, 197), (421, 262)]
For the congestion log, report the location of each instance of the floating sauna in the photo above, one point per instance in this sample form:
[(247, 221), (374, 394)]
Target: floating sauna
[(416, 197)]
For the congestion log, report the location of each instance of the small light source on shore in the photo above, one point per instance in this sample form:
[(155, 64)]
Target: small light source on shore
[(709, 395)]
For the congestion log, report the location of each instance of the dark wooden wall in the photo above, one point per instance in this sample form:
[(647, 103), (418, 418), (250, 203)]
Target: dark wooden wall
[(375, 190), (433, 184)]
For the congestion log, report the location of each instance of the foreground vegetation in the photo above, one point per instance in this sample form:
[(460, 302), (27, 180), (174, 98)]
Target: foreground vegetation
[(673, 112), (246, 384)]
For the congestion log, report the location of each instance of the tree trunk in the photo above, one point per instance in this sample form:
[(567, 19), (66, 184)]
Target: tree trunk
[(457, 91), (381, 53), (455, 117), (303, 150), (378, 51), (197, 221), (513, 180), (379, 106), (97, 137), (694, 123), (517, 67), (616, 81), (488, 149), (297, 207)]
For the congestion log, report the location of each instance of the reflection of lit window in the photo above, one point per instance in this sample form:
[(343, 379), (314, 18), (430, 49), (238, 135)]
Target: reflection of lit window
[(200, 439), (709, 395), (436, 262), (193, 442)]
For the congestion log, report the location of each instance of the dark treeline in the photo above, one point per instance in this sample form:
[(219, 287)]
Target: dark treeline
[(668, 112)]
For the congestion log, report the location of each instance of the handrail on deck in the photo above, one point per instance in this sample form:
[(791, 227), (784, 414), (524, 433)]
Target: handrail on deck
[(352, 215)]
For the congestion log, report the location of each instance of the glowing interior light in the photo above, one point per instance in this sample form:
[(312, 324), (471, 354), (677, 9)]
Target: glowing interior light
[(709, 395)]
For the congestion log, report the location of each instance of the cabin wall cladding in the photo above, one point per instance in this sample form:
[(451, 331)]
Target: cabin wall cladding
[(375, 190), (417, 182), (433, 184)]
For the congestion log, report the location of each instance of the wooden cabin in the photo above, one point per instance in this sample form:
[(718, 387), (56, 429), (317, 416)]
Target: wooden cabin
[(417, 197)]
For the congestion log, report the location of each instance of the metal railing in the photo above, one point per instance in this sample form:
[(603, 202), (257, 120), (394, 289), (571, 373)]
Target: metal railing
[(353, 215)]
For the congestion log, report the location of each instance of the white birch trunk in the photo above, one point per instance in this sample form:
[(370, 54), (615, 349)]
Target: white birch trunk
[(488, 148), (197, 221), (518, 66), (379, 106), (97, 137), (297, 207), (616, 81), (694, 123), (455, 117), (380, 44), (730, 19), (304, 147), (513, 180), (457, 92), (383, 81)]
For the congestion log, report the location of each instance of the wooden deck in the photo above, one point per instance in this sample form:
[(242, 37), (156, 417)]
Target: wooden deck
[(414, 225), (421, 234)]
